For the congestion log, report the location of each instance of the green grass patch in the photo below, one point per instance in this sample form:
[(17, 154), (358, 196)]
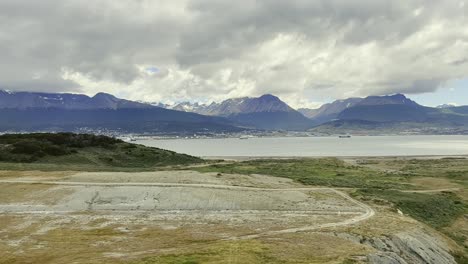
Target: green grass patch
[(460, 257), (455, 169), (324, 172), (437, 210)]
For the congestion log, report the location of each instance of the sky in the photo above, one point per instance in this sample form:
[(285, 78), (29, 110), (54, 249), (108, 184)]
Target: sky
[(306, 52), (455, 93)]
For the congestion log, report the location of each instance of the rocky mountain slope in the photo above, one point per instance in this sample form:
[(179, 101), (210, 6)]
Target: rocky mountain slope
[(243, 105), (329, 111), (264, 112)]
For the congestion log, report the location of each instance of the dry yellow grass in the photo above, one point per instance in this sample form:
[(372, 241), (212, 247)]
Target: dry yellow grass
[(4, 174), (31, 193)]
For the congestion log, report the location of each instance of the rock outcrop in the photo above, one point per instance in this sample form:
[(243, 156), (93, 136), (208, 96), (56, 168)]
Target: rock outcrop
[(415, 247)]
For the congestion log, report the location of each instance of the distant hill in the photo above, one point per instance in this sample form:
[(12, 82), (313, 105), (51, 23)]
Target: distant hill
[(264, 112), (446, 106), (384, 113), (463, 110), (362, 127)]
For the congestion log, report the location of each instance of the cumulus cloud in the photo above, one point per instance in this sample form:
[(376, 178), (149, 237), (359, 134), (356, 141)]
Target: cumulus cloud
[(303, 51)]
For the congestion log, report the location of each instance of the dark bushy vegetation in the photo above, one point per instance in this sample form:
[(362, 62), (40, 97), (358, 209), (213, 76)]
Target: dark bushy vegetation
[(437, 210), (83, 152), (32, 147)]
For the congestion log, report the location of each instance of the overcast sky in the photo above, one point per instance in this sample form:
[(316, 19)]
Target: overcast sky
[(304, 51)]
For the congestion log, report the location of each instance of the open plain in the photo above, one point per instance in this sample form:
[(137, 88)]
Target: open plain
[(186, 216)]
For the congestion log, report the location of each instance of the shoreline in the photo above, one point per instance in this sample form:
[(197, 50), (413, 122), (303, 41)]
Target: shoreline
[(245, 158)]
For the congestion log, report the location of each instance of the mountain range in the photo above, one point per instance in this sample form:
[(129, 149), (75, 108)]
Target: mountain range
[(385, 114), (390, 114), (30, 111)]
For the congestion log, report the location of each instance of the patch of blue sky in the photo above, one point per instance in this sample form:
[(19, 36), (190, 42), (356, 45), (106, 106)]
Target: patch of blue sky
[(453, 92)]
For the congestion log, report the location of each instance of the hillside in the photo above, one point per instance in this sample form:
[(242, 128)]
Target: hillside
[(129, 120), (274, 120), (386, 113), (463, 110), (83, 152)]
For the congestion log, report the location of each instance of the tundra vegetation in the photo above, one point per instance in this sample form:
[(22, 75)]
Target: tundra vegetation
[(432, 191), (68, 151)]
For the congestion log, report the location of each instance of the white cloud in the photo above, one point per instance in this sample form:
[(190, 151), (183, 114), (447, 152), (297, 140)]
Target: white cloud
[(302, 51)]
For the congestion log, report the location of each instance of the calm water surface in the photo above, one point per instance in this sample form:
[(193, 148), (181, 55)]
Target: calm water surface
[(317, 146)]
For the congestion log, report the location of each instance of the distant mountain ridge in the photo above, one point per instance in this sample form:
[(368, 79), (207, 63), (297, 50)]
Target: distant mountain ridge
[(389, 108), (395, 114), (396, 99), (59, 111), (25, 100), (29, 111), (342, 109)]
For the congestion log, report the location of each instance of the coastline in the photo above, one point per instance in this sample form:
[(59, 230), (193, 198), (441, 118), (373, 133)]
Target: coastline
[(245, 158)]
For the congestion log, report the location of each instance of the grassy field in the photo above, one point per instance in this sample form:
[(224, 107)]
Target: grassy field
[(432, 191), (453, 169), (438, 210), (67, 151), (382, 181), (331, 172)]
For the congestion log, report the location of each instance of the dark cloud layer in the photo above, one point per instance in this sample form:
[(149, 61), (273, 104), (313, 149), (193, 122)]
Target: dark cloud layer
[(216, 49)]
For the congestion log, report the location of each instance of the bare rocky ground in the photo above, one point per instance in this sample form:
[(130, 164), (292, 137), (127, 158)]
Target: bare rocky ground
[(155, 217)]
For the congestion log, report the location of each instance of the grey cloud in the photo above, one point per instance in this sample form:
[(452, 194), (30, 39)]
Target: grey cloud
[(459, 62), (214, 49)]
